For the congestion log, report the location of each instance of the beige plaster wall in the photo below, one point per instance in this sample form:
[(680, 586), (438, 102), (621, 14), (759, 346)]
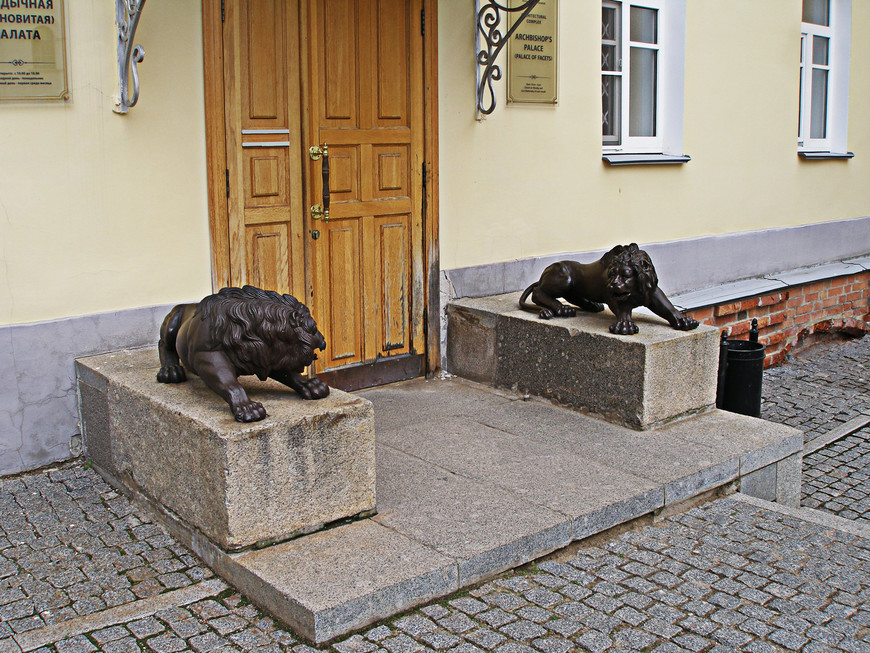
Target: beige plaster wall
[(100, 211), (530, 181)]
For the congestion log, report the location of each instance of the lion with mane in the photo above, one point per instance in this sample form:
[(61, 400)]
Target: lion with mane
[(624, 278), (241, 331)]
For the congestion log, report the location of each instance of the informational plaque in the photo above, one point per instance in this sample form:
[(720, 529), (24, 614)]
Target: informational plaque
[(532, 55), (33, 50)]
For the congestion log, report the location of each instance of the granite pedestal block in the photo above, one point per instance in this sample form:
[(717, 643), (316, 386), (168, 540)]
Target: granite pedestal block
[(641, 381), (309, 463)]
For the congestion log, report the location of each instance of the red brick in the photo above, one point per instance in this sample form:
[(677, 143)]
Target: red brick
[(839, 281), (795, 301), (701, 314), (832, 301), (811, 297), (817, 285), (804, 309), (852, 296), (726, 309), (748, 304), (777, 318), (770, 300), (774, 338), (740, 328)]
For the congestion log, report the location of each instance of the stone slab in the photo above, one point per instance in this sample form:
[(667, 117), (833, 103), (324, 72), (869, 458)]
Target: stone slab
[(485, 529), (545, 475), (309, 463), (641, 381), (330, 583)]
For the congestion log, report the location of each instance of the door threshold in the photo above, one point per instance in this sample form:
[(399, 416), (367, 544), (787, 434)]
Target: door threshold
[(381, 372)]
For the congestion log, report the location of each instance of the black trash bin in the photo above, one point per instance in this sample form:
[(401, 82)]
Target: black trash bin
[(740, 375)]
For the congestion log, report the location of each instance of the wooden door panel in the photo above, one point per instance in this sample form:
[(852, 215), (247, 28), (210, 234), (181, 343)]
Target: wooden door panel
[(390, 171), (266, 182), (340, 59), (390, 69), (268, 257), (264, 75), (392, 277), (344, 173), (343, 327)]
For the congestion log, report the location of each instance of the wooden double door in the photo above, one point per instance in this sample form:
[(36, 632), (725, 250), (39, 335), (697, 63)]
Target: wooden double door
[(347, 75)]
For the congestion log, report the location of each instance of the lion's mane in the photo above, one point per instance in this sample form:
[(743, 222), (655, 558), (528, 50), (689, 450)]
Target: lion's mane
[(260, 330), (637, 260)]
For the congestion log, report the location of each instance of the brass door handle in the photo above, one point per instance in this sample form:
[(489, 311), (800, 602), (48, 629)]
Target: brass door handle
[(318, 153)]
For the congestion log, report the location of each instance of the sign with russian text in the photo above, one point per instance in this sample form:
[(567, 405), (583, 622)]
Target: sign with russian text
[(33, 50), (532, 55)]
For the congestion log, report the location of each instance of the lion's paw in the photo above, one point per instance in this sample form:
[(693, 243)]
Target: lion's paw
[(624, 328), (314, 389), (171, 374), (545, 314), (249, 411), (566, 311), (685, 323)]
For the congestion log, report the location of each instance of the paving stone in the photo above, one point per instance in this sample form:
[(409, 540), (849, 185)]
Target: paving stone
[(523, 630)]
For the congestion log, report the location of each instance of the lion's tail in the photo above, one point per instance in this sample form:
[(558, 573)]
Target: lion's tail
[(528, 291)]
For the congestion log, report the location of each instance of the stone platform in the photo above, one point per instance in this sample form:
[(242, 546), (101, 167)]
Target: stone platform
[(308, 464), (473, 481), (640, 381)]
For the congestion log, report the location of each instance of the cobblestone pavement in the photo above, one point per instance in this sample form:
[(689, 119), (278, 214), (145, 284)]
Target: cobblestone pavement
[(819, 388), (836, 479), (721, 577)]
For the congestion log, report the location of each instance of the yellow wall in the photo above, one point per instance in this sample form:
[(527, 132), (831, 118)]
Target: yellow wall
[(530, 181), (100, 211), (104, 212)]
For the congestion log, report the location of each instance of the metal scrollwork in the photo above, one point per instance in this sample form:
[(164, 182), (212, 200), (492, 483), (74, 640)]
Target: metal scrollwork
[(127, 14), (489, 17)]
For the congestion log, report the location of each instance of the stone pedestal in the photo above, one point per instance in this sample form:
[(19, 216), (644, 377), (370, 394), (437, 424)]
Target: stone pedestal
[(309, 463), (641, 381)]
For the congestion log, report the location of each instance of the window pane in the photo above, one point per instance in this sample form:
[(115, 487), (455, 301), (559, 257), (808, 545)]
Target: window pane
[(817, 11), (642, 92), (608, 23), (643, 26), (819, 111), (610, 55), (820, 50), (611, 86)]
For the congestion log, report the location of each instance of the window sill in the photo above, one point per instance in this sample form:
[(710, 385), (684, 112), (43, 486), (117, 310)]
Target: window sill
[(644, 159), (816, 156)]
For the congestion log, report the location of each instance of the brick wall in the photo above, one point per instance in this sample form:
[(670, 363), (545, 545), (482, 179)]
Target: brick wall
[(788, 317)]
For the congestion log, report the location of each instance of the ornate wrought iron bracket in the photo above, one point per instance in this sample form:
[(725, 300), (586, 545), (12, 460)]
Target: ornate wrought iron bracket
[(127, 14), (489, 43)]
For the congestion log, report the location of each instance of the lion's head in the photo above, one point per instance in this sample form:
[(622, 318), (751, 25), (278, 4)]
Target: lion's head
[(631, 277), (260, 330)]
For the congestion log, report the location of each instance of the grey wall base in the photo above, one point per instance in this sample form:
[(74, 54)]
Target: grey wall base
[(38, 416), (308, 464), (641, 381)]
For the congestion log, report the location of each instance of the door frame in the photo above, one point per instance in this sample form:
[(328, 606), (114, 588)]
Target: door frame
[(216, 165)]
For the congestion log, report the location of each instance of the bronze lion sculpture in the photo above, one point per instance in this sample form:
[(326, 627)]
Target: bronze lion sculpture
[(241, 331), (624, 278)]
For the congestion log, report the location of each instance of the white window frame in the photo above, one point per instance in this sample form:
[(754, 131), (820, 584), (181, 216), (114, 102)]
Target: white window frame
[(671, 45), (839, 35)]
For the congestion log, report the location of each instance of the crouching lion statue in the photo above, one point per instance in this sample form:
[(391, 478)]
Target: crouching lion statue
[(242, 331), (624, 278)]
